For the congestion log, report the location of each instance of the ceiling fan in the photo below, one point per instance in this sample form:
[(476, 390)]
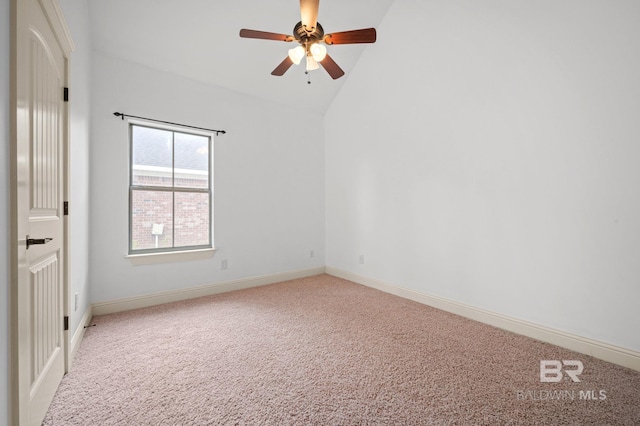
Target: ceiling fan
[(312, 39)]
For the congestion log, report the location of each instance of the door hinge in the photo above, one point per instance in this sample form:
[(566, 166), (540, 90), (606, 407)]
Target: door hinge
[(66, 208), (66, 94), (66, 323)]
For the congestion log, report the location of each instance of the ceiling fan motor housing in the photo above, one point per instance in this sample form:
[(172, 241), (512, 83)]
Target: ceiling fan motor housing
[(307, 37)]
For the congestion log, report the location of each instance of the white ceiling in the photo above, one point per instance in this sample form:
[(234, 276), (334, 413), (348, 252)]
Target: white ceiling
[(199, 39)]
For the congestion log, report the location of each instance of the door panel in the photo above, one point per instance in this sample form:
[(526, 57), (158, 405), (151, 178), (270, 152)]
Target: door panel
[(40, 117), (45, 317), (46, 85)]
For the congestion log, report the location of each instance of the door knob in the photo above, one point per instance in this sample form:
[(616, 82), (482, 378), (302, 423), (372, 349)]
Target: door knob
[(34, 241)]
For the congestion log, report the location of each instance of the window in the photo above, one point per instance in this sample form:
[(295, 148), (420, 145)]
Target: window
[(170, 193)]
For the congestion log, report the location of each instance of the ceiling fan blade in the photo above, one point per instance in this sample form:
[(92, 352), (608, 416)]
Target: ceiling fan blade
[(309, 13), (332, 68), (264, 35), (365, 35), (283, 67)]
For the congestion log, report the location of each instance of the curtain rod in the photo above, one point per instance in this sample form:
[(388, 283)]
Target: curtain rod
[(121, 115)]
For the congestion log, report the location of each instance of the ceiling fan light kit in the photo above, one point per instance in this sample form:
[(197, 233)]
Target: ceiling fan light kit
[(312, 40), (312, 65), (318, 51), (296, 54)]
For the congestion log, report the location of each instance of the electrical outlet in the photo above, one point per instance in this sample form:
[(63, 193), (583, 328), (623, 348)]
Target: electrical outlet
[(312, 254), (75, 302), (224, 264), (361, 259)]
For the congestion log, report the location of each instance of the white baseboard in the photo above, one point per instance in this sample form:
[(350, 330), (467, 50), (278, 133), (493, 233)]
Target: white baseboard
[(614, 354), (74, 344), (110, 307)]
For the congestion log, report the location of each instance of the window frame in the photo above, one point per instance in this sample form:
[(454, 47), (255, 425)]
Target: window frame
[(161, 254)]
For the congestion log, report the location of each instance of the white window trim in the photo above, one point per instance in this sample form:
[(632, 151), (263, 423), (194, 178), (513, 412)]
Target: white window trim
[(176, 255), (170, 256)]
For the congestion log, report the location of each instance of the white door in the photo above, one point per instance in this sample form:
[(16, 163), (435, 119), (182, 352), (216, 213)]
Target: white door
[(38, 217)]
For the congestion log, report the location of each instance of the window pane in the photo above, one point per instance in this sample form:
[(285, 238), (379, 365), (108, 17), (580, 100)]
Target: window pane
[(166, 219), (151, 219), (192, 219), (151, 156), (191, 161)]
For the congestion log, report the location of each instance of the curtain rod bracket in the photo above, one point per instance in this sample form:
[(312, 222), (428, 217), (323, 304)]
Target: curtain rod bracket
[(122, 116)]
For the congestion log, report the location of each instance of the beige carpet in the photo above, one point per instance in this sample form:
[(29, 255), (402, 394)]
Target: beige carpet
[(323, 351)]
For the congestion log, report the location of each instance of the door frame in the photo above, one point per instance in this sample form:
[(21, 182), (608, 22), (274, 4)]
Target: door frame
[(55, 18)]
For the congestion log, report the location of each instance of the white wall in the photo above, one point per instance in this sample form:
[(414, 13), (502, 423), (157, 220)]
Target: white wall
[(77, 16), (4, 211), (487, 152), (268, 189)]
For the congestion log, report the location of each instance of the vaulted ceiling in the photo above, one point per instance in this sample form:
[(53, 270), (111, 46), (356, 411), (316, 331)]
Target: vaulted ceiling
[(199, 39)]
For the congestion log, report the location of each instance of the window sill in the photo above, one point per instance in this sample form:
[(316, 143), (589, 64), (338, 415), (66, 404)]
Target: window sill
[(171, 256)]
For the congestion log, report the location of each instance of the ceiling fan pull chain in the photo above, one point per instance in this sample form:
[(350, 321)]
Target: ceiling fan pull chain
[(308, 77)]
